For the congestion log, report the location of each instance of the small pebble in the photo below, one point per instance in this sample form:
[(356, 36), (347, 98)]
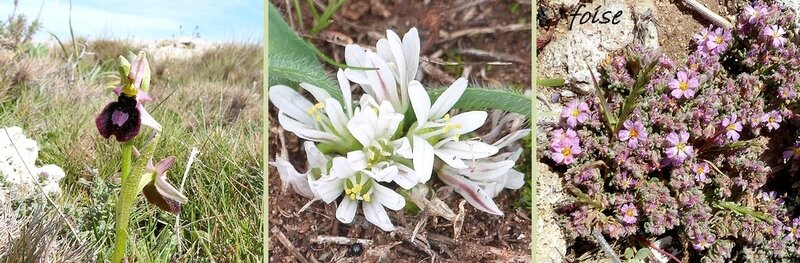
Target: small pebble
[(554, 98), (567, 93)]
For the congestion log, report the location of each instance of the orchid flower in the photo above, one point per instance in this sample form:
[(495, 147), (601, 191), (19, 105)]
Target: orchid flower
[(325, 121), (396, 62), (158, 191), (123, 118), (436, 133), (357, 187)]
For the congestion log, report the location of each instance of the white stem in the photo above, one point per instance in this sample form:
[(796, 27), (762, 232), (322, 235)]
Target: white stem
[(192, 156), (708, 14)]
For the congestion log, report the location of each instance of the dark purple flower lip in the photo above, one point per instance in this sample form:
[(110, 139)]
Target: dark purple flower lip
[(120, 118)]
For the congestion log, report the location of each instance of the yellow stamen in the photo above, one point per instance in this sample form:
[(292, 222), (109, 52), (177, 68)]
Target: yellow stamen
[(684, 86), (447, 117), (681, 146), (731, 127), (575, 113), (367, 198), (629, 212), (771, 119), (719, 40), (566, 151), (633, 133), (353, 196)]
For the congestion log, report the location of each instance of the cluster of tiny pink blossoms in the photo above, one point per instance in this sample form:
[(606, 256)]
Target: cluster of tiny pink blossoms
[(704, 153)]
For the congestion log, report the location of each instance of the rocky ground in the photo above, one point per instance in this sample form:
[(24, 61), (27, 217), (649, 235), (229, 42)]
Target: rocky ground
[(571, 54)]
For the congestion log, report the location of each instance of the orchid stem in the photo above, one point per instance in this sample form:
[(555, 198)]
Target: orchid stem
[(131, 175)]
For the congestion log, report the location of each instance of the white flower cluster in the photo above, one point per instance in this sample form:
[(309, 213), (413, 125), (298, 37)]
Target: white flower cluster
[(358, 149)]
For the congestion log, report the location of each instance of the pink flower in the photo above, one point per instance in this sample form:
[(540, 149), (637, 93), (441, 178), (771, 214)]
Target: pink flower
[(683, 86), (561, 137), (565, 154), (634, 131), (575, 113), (732, 127), (717, 41), (775, 34), (793, 153), (704, 242), (679, 151), (772, 119), (626, 182), (629, 213), (755, 13), (700, 171)]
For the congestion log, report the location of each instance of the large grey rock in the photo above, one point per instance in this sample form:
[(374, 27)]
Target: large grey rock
[(572, 53)]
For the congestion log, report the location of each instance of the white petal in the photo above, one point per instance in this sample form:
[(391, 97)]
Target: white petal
[(382, 81), (290, 177), (448, 98), (341, 168), (388, 197), (362, 126), (303, 131), (347, 95), (386, 174), (292, 103), (388, 121), (423, 159), (376, 215), (337, 116), (396, 47), (354, 55), (316, 159), (411, 46), (468, 149), (327, 188), (420, 101), (347, 210), (319, 94), (487, 171), (476, 196), (469, 121), (383, 49), (450, 159), (515, 179), (508, 139), (357, 160), (146, 119), (406, 177), (402, 147)]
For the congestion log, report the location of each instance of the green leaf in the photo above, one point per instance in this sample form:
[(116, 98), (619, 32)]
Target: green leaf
[(483, 98), (642, 254), (292, 60), (554, 82), (628, 253)]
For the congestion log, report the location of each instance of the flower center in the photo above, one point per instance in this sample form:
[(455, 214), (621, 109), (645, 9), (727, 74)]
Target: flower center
[(796, 151), (119, 118), (376, 152), (633, 133), (315, 111), (575, 113), (771, 119), (358, 190), (566, 151), (629, 212), (451, 126), (731, 127), (681, 146), (701, 170), (718, 40), (684, 86)]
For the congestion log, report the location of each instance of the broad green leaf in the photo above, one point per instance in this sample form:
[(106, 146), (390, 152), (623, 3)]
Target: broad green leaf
[(484, 98), (292, 60)]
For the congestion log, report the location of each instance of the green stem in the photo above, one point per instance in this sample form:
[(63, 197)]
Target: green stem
[(130, 182)]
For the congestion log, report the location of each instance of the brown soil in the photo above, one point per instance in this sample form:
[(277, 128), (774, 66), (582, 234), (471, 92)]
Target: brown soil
[(483, 237)]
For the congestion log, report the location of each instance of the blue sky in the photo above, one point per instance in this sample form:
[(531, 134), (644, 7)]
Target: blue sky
[(237, 20)]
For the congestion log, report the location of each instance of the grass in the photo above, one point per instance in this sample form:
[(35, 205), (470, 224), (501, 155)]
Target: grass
[(211, 102)]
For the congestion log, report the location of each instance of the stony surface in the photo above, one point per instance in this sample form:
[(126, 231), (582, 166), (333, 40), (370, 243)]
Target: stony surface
[(573, 52), (18, 156), (551, 245)]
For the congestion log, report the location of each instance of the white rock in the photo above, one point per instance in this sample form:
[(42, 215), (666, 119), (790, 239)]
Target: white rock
[(573, 53), (18, 167), (551, 245)]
